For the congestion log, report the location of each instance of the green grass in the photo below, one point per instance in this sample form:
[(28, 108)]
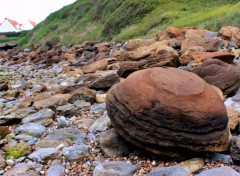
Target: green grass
[(9, 39), (18, 151), (126, 19)]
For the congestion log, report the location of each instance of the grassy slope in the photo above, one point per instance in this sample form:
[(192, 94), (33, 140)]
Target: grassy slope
[(125, 19)]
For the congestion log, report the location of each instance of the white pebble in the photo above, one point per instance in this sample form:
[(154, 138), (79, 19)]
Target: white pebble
[(154, 163), (10, 162)]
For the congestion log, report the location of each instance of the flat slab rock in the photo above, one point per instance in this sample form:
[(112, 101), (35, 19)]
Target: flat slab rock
[(169, 171), (221, 171), (114, 168), (74, 135), (170, 112), (32, 129), (55, 169)]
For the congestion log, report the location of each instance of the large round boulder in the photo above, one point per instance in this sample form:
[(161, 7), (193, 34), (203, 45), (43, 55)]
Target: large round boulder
[(170, 112), (220, 74)]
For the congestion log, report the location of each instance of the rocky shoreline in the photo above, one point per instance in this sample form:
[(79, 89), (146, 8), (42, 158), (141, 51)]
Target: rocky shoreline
[(105, 108)]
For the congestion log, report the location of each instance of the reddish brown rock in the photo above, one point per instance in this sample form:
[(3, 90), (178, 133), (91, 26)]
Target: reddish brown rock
[(170, 112), (134, 44), (228, 31), (26, 103), (157, 54), (195, 32), (199, 57), (100, 56), (70, 57), (53, 101), (75, 73), (233, 116), (3, 86), (209, 44), (142, 52), (162, 35), (104, 80), (220, 74), (93, 67), (83, 93), (52, 60), (186, 57), (165, 56), (174, 32), (4, 131), (43, 95), (236, 38), (128, 67), (138, 54), (102, 47)]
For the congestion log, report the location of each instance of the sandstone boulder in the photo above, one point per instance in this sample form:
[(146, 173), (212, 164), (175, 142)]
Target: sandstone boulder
[(170, 112), (133, 44), (236, 38), (83, 93), (195, 32), (228, 31), (186, 57), (162, 35), (209, 44), (199, 57), (104, 79), (219, 74), (174, 32), (158, 54), (98, 65), (53, 101)]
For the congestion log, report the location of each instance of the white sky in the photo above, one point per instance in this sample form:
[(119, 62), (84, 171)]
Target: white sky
[(34, 10)]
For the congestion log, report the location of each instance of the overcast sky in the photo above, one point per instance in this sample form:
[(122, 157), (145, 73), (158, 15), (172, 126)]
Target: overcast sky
[(35, 10)]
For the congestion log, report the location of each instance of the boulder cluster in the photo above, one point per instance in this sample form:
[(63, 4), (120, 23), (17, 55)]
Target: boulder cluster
[(127, 108)]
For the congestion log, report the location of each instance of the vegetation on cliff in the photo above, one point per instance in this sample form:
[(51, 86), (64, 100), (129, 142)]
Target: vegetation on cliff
[(125, 19)]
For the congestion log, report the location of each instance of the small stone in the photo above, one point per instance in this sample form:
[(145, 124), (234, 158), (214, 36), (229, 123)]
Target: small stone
[(20, 169), (55, 169), (142, 171), (101, 98), (75, 153), (1, 172), (220, 157), (4, 131), (98, 107), (104, 80), (44, 154), (101, 124), (39, 117), (154, 163), (192, 165), (114, 168), (18, 150), (233, 116), (63, 134), (10, 119), (42, 172), (235, 149), (62, 122), (220, 171), (169, 171), (10, 162), (2, 162), (31, 129), (113, 144), (82, 105)]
